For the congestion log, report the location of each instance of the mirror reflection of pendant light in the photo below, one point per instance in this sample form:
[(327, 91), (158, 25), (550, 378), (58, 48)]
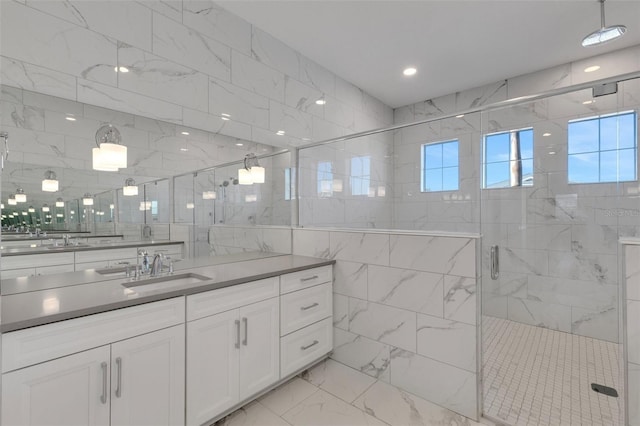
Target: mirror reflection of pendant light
[(209, 195), (191, 205), (252, 171), (45, 208), (87, 199), (50, 182), (21, 197), (31, 209), (110, 155), (130, 188), (12, 200), (603, 34), (59, 202)]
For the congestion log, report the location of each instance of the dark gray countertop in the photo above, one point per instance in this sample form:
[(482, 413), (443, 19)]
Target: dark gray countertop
[(19, 251), (26, 237), (88, 296)]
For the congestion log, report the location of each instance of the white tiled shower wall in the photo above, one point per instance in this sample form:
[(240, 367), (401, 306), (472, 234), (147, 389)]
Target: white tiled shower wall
[(632, 302), (405, 309)]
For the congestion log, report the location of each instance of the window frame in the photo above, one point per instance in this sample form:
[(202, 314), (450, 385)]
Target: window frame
[(485, 163), (423, 169), (364, 179)]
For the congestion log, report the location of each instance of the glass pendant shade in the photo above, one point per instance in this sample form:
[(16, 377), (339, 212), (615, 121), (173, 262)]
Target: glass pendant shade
[(209, 195), (257, 174), (87, 200), (129, 189), (12, 200), (99, 163), (50, 182), (21, 197), (45, 208), (59, 202), (244, 177), (190, 205), (113, 155)]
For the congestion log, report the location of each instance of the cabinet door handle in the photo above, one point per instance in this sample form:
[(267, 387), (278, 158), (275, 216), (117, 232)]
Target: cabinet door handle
[(119, 384), (315, 277), (304, 308), (237, 334), (103, 397), (304, 348), (246, 330), (495, 262)]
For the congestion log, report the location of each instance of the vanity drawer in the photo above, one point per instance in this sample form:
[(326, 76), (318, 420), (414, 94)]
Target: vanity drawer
[(301, 308), (36, 260), (307, 278), (305, 346), (215, 301)]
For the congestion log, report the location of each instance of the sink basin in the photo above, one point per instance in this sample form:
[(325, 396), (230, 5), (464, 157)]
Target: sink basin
[(165, 282)]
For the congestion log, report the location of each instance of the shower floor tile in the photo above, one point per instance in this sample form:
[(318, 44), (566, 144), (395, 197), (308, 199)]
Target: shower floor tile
[(537, 376)]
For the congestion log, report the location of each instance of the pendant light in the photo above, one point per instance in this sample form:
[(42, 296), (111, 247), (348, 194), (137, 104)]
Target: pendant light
[(130, 188), (110, 155), (31, 209), (604, 34), (21, 197), (45, 208), (209, 195), (87, 199), (12, 200), (252, 171), (50, 182), (59, 202)]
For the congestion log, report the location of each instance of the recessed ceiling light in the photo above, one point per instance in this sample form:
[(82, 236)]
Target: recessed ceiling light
[(184, 149), (592, 68), (225, 118), (409, 71), (546, 134), (280, 132), (552, 153), (185, 133), (459, 115), (225, 115), (321, 102), (124, 69), (589, 102), (239, 144), (70, 118)]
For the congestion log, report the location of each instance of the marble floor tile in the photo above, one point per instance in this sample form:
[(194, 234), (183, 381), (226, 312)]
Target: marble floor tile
[(323, 409), (339, 380), (253, 414), (287, 396)]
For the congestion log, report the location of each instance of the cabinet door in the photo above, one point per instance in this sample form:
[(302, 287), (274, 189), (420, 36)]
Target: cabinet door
[(212, 366), (72, 390), (147, 379), (260, 346)]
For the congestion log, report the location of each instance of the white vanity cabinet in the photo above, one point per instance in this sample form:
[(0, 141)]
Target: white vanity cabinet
[(234, 354), (53, 374)]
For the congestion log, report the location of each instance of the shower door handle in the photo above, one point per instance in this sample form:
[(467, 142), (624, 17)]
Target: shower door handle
[(495, 262)]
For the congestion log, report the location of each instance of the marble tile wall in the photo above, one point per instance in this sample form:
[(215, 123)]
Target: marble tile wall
[(188, 63), (405, 309), (632, 326), (230, 239)]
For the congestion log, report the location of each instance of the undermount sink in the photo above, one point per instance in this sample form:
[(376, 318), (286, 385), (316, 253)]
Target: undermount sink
[(165, 282)]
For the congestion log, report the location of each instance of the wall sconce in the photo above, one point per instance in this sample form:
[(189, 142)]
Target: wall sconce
[(59, 202), (209, 195), (110, 155), (252, 171), (50, 182), (21, 197), (87, 199), (129, 188), (12, 200), (45, 208)]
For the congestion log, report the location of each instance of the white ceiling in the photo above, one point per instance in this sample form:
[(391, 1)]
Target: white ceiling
[(455, 44)]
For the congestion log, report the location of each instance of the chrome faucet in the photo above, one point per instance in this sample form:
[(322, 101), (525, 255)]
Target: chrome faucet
[(65, 237), (156, 265)]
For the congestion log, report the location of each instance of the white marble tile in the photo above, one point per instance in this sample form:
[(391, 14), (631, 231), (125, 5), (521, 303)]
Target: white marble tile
[(633, 331), (547, 315), (361, 353), (32, 77), (339, 113), (302, 97), (317, 76), (585, 294), (277, 240), (354, 97), (350, 279), (22, 116), (214, 124), (632, 271), (339, 380), (360, 247), (128, 21), (170, 8), (325, 130), (184, 46), (159, 78), (272, 52), (385, 324), (10, 94), (294, 122), (484, 95), (340, 311), (311, 243), (121, 100), (322, 409), (407, 289), (253, 414), (397, 407), (595, 323), (447, 341), (634, 394), (539, 81), (443, 384), (213, 21), (257, 77), (460, 299), (37, 38), (242, 105), (455, 256), (287, 396)]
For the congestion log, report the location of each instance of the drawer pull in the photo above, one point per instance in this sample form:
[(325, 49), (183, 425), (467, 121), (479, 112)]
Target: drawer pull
[(304, 348), (315, 277), (237, 334), (119, 385), (304, 308), (103, 397), (246, 331)]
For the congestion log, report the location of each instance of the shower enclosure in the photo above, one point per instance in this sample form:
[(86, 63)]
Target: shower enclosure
[(551, 185)]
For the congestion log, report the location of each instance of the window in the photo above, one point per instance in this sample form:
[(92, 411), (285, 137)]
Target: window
[(289, 183), (603, 149), (440, 166), (508, 159), (325, 179), (360, 175)]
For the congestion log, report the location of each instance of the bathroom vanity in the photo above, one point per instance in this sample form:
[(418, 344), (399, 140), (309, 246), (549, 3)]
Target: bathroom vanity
[(183, 348)]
